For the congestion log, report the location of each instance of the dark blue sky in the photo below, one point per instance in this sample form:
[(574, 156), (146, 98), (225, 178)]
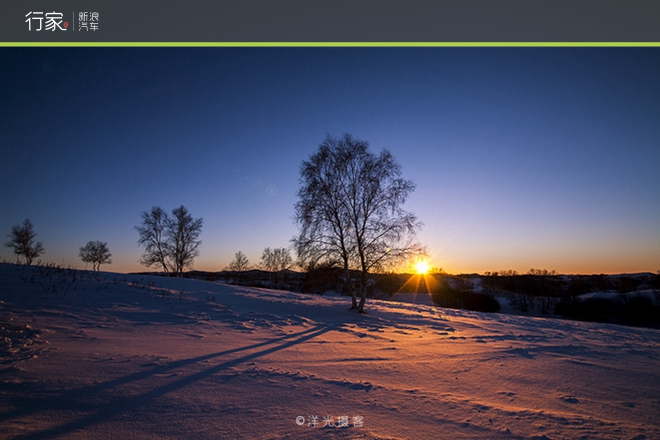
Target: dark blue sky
[(523, 157)]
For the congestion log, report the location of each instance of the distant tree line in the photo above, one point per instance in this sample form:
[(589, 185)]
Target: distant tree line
[(538, 288), (274, 261), (456, 292), (547, 292)]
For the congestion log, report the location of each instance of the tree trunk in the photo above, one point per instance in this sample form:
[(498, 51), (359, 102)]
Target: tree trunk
[(363, 299), (363, 292), (349, 285)]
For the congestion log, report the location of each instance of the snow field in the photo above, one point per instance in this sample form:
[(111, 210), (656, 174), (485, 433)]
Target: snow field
[(130, 356)]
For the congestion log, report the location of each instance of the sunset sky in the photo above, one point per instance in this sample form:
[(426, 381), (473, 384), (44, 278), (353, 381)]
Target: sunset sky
[(523, 158)]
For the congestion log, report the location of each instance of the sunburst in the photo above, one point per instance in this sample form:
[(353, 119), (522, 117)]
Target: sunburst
[(422, 267)]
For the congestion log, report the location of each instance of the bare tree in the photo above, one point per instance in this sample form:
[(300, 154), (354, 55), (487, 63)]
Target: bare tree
[(183, 233), (171, 243), (239, 264), (22, 242), (152, 237), (325, 237), (276, 261), (97, 253), (349, 211)]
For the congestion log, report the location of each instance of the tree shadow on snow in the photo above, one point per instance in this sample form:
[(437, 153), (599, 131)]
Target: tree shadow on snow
[(86, 399)]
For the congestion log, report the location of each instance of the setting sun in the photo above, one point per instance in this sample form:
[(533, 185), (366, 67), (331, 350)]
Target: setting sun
[(422, 267)]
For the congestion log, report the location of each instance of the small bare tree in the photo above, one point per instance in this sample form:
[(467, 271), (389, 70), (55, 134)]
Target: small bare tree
[(22, 242), (152, 237), (276, 261), (183, 233), (239, 264), (97, 253)]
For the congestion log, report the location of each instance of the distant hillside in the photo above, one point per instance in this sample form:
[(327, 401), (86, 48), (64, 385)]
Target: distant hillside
[(629, 299)]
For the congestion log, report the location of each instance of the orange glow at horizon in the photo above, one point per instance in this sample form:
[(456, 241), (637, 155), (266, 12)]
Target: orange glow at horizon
[(422, 282)]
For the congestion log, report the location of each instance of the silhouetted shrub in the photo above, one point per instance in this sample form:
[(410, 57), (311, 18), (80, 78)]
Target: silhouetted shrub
[(388, 283), (639, 311), (633, 310), (654, 280), (445, 295), (626, 284), (578, 286), (593, 309), (601, 283), (456, 293), (480, 302), (321, 280)]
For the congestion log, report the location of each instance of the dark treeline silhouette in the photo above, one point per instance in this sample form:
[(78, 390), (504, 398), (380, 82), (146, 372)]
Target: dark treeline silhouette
[(632, 299)]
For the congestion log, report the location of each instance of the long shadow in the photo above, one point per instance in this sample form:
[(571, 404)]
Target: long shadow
[(123, 404)]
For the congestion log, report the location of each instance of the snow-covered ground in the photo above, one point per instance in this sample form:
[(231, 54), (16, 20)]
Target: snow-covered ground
[(653, 295), (128, 357)]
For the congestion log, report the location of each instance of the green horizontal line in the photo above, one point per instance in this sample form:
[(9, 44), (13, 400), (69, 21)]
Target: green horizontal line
[(326, 44)]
